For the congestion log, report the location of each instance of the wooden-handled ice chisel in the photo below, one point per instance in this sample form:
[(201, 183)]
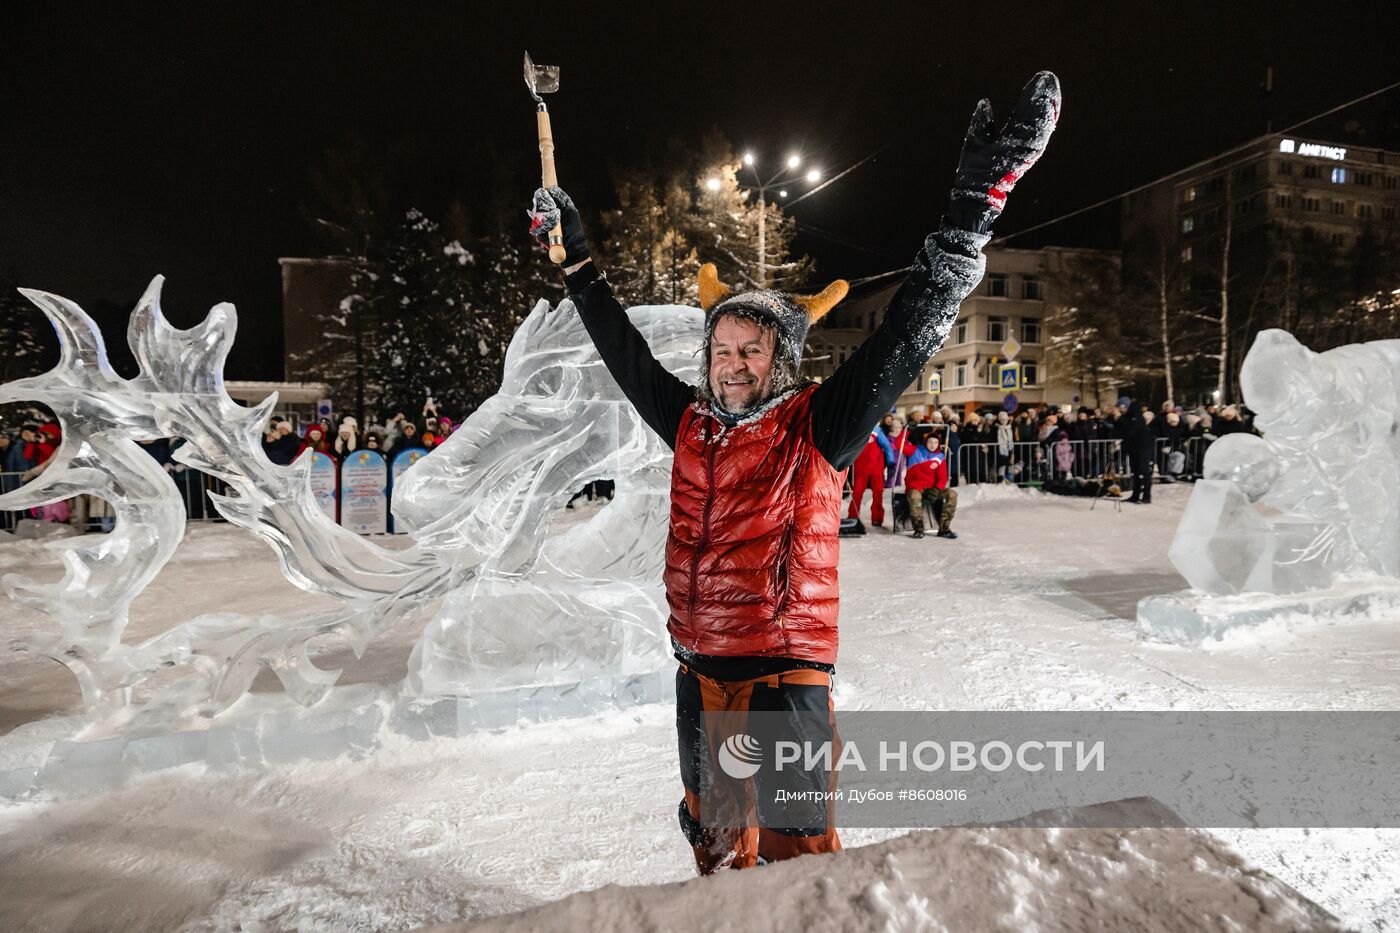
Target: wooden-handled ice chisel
[(544, 79)]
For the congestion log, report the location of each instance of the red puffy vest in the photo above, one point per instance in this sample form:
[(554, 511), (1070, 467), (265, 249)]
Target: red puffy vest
[(752, 552)]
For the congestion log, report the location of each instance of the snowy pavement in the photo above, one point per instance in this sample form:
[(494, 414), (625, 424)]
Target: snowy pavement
[(1030, 609)]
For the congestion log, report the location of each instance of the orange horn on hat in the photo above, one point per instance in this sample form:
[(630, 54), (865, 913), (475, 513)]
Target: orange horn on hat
[(822, 302), (712, 290)]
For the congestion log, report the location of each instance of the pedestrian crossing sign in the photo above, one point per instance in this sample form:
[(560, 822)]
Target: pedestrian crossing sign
[(935, 381), (1009, 377)]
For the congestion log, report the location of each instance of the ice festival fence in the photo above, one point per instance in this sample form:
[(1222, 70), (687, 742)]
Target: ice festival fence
[(1031, 463), (356, 493)]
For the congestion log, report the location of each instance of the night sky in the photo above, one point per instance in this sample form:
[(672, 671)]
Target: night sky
[(144, 138)]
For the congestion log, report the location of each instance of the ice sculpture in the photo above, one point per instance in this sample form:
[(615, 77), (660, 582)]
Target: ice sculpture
[(549, 609), (1317, 498), (521, 608)]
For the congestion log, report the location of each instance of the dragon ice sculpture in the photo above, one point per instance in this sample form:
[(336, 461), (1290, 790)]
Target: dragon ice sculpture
[(514, 606), (1327, 467)]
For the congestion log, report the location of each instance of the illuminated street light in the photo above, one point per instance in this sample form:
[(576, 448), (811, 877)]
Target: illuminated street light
[(712, 184), (763, 187)]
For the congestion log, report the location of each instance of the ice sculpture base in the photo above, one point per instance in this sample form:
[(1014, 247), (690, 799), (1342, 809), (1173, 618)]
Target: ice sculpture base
[(1191, 618), (263, 730)]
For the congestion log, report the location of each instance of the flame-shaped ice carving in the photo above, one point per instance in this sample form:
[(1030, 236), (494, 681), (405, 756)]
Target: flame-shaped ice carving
[(478, 507)]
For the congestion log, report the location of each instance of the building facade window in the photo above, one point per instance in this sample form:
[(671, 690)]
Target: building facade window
[(1312, 204), (1387, 212), (1188, 224), (1392, 182), (1364, 211), (1339, 176), (1031, 289), (1215, 185), (1030, 373), (1363, 178), (960, 333), (1310, 171), (1339, 208), (960, 374), (1285, 168), (1189, 194), (1186, 254), (1283, 200), (996, 328), (1030, 330), (997, 285)]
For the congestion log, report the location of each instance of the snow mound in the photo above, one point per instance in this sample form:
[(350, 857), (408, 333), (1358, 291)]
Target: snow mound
[(959, 879), (978, 493)]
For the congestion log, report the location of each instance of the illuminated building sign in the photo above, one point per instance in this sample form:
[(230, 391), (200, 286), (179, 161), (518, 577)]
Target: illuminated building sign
[(1312, 149)]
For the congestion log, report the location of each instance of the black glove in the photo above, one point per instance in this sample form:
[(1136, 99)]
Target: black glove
[(553, 206), (991, 165)]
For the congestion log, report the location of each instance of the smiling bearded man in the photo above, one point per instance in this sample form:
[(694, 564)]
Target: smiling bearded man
[(760, 460)]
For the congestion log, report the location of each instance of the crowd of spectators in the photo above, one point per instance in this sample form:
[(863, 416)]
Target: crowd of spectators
[(1126, 444), (26, 454), (283, 443), (1046, 444)]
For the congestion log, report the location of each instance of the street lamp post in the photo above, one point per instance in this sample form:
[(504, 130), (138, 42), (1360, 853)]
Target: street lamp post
[(782, 177)]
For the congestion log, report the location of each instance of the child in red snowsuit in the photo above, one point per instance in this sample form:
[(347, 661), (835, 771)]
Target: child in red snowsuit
[(868, 472), (928, 475)]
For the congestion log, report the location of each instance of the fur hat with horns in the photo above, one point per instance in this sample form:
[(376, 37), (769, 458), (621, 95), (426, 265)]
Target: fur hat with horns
[(791, 315)]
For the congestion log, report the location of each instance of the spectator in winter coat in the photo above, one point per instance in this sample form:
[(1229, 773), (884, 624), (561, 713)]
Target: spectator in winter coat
[(347, 439), (1050, 431), (374, 441), (1170, 429), (1024, 427), (1063, 451), (408, 438), (284, 446), (430, 435), (315, 439), (1081, 429), (898, 437), (928, 476), (868, 472), (15, 459), (1005, 446), (1139, 444), (976, 458), (47, 438), (1229, 422)]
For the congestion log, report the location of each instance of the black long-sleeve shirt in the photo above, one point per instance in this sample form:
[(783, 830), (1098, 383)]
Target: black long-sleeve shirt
[(845, 407)]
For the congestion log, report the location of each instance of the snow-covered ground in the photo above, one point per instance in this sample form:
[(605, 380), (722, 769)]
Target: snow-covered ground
[(1030, 609)]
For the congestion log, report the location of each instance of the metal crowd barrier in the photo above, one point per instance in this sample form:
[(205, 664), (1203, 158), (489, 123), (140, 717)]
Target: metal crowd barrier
[(87, 512), (1031, 463)]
